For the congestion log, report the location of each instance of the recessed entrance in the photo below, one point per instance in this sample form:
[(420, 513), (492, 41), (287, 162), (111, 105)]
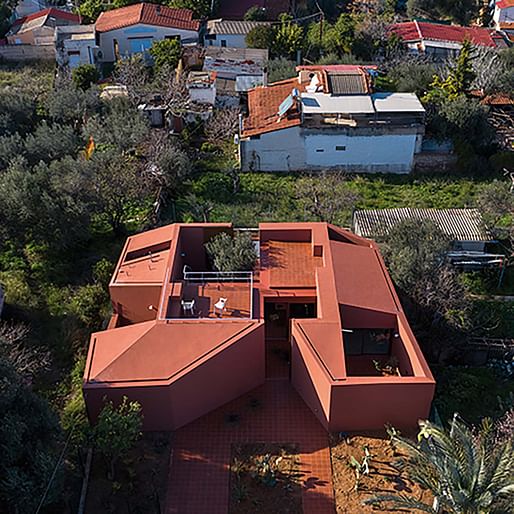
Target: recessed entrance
[(277, 317)]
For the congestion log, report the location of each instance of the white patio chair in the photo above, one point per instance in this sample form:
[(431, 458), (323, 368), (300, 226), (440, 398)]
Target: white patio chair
[(219, 306)]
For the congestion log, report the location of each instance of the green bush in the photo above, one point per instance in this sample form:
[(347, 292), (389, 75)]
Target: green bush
[(17, 289), (85, 75), (166, 52), (232, 253), (89, 304)]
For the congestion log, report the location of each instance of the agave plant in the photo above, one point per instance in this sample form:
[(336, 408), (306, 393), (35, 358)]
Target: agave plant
[(467, 472)]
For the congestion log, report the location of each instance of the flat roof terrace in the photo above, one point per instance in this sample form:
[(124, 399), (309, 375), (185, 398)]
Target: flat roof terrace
[(214, 295)]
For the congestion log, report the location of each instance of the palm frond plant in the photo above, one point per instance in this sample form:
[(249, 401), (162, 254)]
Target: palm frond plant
[(468, 472)]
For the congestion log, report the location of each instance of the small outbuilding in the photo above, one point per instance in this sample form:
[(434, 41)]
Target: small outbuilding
[(230, 33)]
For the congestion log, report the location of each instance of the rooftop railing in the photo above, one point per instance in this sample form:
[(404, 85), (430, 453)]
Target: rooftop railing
[(218, 276)]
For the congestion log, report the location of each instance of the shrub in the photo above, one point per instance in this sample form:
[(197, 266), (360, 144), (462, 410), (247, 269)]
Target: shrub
[(85, 75), (166, 52), (117, 430), (256, 13), (232, 253), (260, 37), (88, 304)]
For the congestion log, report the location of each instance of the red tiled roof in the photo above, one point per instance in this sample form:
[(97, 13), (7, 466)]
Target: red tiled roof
[(505, 4), (236, 9), (499, 99), (335, 67), (55, 13), (148, 14), (263, 104), (418, 30)]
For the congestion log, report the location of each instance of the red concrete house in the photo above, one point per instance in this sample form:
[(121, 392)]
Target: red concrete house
[(322, 290)]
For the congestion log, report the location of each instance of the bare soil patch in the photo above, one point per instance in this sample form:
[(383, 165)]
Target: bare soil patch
[(139, 485), (265, 478), (383, 478)]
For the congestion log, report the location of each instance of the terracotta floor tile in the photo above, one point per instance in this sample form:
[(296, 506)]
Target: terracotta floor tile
[(274, 412)]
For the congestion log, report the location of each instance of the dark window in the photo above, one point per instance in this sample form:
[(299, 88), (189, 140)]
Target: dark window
[(367, 342), (340, 148), (224, 43), (319, 150)]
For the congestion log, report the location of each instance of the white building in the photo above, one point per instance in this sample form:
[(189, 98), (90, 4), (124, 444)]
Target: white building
[(75, 45), (329, 117), (133, 29), (503, 17), (503, 12), (441, 41), (229, 33)]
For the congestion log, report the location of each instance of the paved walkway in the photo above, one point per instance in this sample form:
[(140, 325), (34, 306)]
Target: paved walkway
[(274, 412)]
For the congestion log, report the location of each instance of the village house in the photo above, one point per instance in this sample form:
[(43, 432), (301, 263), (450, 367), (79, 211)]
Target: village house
[(184, 339), (132, 29), (442, 41), (503, 17), (329, 116), (75, 45), (229, 33), (38, 28)]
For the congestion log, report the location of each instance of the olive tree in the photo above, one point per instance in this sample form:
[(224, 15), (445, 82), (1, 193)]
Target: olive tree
[(232, 253)]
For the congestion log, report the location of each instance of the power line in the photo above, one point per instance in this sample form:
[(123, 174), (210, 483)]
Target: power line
[(54, 472)]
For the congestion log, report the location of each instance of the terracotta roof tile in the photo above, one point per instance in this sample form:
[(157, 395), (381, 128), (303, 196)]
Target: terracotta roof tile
[(263, 104), (55, 13), (505, 4), (148, 14), (414, 31)]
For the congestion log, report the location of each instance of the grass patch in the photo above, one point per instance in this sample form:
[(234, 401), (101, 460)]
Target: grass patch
[(473, 392), (272, 197)]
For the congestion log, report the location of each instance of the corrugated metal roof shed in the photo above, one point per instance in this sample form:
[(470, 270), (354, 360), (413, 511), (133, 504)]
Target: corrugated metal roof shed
[(232, 27), (458, 224)]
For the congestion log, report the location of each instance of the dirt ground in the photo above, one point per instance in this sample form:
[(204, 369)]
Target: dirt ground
[(382, 479), (265, 478), (139, 486)]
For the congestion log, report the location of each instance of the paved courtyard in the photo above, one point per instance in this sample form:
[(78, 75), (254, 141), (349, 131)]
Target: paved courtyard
[(272, 413)]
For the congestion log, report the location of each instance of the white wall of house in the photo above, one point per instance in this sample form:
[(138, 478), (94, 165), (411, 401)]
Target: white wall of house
[(138, 38), (298, 149), (394, 152), (77, 52), (505, 15), (281, 150), (228, 40)]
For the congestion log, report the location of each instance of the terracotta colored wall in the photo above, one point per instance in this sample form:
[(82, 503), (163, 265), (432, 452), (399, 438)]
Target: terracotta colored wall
[(369, 406), (301, 235), (398, 350), (309, 379), (235, 371), (134, 301), (224, 377), (354, 317), (155, 403)]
